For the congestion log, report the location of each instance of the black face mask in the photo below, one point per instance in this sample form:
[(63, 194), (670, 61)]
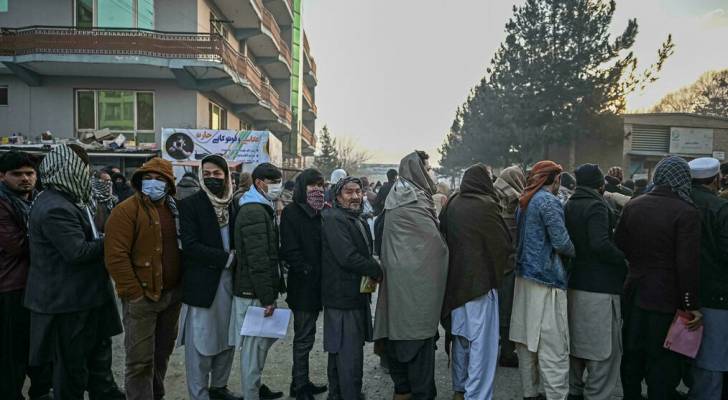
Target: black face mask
[(216, 186)]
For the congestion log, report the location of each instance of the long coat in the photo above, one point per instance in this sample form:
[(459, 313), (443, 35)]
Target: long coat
[(599, 265), (204, 257), (414, 259), (67, 271), (301, 250), (659, 234)]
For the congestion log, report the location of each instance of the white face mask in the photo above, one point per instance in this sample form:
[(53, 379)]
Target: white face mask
[(274, 189)]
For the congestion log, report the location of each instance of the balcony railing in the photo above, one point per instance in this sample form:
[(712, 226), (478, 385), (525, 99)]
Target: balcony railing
[(308, 136), (309, 99), (140, 42), (307, 50), (270, 23)]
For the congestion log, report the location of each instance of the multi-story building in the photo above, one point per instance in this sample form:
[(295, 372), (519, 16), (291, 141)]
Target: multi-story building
[(137, 66)]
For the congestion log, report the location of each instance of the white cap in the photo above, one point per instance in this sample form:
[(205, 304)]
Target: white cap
[(704, 167)]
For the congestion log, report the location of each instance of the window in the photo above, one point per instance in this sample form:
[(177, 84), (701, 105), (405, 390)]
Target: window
[(218, 117), (3, 5), (3, 95), (124, 111), (244, 126), (115, 13)]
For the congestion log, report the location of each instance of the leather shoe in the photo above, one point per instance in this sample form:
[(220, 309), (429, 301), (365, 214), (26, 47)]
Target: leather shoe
[(267, 394), (223, 393), (313, 389)]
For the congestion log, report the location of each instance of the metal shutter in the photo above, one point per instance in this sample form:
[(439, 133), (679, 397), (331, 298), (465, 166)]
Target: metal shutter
[(651, 138)]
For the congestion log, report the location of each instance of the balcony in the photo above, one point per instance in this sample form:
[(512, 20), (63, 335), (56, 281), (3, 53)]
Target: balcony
[(308, 141), (282, 10), (309, 105), (255, 24), (309, 64), (198, 61)]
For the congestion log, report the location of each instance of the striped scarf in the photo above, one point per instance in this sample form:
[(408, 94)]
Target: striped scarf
[(64, 171)]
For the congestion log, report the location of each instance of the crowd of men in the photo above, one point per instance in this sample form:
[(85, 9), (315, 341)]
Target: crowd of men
[(573, 279)]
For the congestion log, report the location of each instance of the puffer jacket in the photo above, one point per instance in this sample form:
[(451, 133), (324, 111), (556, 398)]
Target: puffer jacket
[(257, 273), (133, 242), (542, 240)]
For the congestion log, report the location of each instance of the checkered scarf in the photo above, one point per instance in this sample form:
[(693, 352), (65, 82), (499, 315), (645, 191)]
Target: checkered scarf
[(62, 170), (675, 173)]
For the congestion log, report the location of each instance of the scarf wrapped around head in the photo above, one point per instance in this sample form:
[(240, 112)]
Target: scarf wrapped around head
[(102, 193), (537, 178), (675, 173), (219, 204), (63, 170), (509, 187)]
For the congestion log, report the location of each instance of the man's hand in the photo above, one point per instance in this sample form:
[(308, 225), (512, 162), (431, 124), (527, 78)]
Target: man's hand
[(696, 322), (269, 310)]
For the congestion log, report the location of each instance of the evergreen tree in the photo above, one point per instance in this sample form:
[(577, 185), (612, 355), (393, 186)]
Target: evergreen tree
[(557, 75), (328, 158)]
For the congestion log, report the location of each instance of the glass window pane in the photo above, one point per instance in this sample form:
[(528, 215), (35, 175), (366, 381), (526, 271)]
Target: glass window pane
[(115, 14), (145, 111), (145, 137), (84, 13), (3, 95), (116, 110), (145, 14), (3, 5), (214, 116), (85, 109), (223, 119)]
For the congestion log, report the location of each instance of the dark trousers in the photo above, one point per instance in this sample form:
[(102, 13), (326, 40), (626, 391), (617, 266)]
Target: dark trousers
[(14, 348), (81, 352), (304, 337), (346, 365), (505, 308), (645, 357), (150, 331), (412, 367)]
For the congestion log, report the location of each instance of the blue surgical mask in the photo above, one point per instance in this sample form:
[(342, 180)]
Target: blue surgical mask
[(154, 189)]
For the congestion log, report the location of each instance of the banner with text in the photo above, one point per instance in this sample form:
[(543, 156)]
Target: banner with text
[(246, 147)]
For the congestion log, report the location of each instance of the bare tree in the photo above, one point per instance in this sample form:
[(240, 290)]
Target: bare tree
[(350, 156), (693, 98)]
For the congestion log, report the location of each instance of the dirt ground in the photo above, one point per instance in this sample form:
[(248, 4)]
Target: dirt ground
[(277, 374)]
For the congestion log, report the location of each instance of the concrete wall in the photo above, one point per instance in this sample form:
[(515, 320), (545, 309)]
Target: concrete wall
[(37, 12), (32, 110)]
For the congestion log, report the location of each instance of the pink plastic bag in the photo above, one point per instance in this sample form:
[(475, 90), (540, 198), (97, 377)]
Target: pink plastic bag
[(682, 340)]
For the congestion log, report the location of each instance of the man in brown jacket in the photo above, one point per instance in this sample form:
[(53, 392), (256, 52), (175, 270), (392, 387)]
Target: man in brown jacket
[(143, 257)]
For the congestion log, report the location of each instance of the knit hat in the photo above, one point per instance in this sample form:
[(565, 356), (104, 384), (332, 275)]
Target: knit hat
[(589, 175), (617, 173), (568, 181)]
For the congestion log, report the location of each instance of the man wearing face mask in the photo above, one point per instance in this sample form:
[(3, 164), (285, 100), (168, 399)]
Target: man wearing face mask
[(207, 283), (143, 257), (539, 317), (301, 250), (258, 279), (346, 259)]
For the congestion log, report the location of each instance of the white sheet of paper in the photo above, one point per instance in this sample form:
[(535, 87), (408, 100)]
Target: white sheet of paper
[(255, 324)]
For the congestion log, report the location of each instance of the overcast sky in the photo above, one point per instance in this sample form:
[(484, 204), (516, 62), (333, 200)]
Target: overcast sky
[(392, 72)]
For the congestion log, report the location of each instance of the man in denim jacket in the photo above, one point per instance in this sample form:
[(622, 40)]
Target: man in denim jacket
[(539, 325)]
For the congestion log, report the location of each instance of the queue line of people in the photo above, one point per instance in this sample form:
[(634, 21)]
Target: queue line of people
[(559, 282)]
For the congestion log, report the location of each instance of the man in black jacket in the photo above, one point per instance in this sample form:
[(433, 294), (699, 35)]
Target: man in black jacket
[(346, 259), (257, 276), (69, 293), (17, 191), (301, 250), (711, 363), (595, 286), (207, 282)]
